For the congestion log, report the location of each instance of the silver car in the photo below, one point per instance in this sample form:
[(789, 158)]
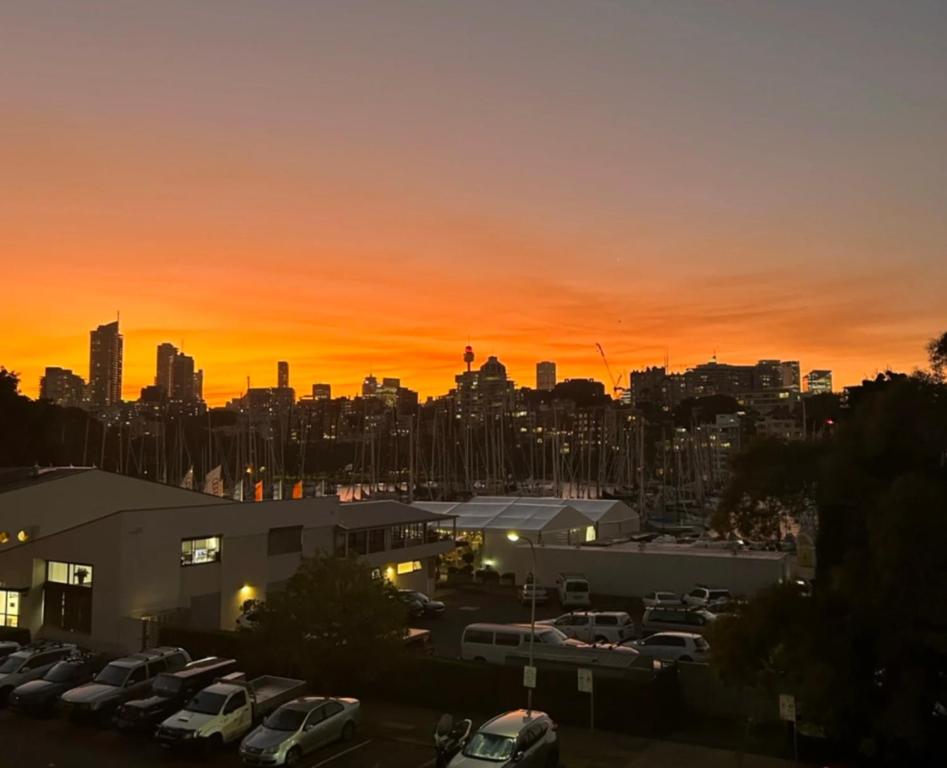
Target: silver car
[(299, 727), (673, 646), (29, 663), (520, 738)]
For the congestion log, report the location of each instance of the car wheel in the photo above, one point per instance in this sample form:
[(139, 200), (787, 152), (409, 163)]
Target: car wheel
[(601, 639), (294, 756), (348, 731), (213, 744)]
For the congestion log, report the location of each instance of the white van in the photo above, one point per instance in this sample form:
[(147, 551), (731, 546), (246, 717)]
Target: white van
[(574, 591), (493, 642)]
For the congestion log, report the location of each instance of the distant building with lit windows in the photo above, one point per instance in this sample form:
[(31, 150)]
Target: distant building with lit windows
[(62, 387), (819, 382), (105, 365), (545, 375)]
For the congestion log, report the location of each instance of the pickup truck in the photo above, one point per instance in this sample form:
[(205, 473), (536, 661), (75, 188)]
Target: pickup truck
[(227, 710)]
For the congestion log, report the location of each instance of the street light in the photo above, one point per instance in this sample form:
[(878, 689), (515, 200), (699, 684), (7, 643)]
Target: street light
[(514, 537)]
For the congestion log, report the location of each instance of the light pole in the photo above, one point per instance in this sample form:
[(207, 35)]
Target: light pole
[(515, 537)]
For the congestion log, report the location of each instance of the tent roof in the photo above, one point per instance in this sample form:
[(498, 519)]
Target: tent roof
[(528, 513)]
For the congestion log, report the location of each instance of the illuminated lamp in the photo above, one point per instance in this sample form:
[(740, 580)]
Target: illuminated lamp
[(4, 537), (23, 536)]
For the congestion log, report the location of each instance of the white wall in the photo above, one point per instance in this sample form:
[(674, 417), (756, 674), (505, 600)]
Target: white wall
[(632, 572)]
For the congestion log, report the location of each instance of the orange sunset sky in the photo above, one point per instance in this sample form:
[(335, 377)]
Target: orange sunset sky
[(358, 186)]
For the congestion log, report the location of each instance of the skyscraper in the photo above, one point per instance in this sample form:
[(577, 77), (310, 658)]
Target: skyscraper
[(819, 382), (545, 375), (321, 391), (166, 355), (790, 375), (105, 365), (282, 374), (62, 386), (199, 385), (182, 378)]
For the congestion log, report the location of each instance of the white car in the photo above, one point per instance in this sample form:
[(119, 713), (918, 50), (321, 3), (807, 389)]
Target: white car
[(300, 727), (673, 646), (653, 599), (529, 590), (594, 626), (704, 597)]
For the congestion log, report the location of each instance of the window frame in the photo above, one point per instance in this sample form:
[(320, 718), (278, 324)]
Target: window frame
[(204, 537)]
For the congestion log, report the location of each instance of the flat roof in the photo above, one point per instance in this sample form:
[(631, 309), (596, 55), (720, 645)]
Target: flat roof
[(689, 550)]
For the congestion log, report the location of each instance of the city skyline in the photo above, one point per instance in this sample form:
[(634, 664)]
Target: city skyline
[(770, 189), (523, 372)]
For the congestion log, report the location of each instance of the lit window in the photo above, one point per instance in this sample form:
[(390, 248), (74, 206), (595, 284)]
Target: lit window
[(76, 574), (410, 567), (205, 549), (9, 608)]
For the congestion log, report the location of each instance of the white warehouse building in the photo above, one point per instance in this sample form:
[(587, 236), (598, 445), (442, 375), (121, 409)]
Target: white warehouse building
[(85, 555)]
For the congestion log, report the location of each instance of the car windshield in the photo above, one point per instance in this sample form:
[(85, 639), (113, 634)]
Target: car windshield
[(12, 664), (206, 703), (552, 636), (113, 674), (490, 746), (285, 720), (167, 685), (62, 672)]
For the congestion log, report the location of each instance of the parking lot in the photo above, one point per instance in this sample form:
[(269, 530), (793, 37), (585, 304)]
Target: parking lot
[(57, 743), (499, 605)]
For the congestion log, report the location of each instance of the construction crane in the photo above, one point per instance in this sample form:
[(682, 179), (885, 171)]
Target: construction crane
[(617, 388)]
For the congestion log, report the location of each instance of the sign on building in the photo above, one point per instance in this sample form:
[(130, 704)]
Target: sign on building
[(529, 677)]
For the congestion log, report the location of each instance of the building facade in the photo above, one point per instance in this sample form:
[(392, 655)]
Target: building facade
[(819, 382), (62, 387), (105, 365), (545, 375)]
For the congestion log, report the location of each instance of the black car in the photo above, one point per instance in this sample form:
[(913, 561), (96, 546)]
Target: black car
[(170, 691), (420, 604), (40, 697)]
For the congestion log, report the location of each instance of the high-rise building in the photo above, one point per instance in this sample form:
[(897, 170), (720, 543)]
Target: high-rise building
[(105, 365), (789, 370), (282, 374), (321, 391), (165, 359), (545, 375), (182, 378), (819, 382), (63, 387), (199, 385), (369, 386)]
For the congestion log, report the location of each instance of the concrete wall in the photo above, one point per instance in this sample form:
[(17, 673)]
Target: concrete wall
[(631, 572)]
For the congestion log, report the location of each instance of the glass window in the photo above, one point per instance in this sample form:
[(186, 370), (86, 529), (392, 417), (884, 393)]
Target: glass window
[(77, 574), (236, 702), (358, 543), (508, 638), (409, 567), (376, 540), (157, 666), (205, 549), (283, 541), (138, 675), (285, 719), (606, 621), (478, 636), (9, 608), (332, 709)]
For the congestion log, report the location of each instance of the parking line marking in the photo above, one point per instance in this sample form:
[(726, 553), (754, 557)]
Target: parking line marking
[(343, 752)]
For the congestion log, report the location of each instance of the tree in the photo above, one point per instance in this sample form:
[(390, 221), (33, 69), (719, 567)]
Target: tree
[(937, 352), (332, 623), (867, 654), (772, 483)]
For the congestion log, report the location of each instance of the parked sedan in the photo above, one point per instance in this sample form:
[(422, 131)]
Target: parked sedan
[(529, 590), (420, 604), (653, 599), (673, 646), (519, 738), (300, 727)]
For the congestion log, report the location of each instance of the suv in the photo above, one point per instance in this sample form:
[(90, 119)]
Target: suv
[(170, 691), (29, 663), (654, 599), (120, 681), (704, 597), (520, 738), (675, 619), (676, 646), (595, 626), (38, 697)]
